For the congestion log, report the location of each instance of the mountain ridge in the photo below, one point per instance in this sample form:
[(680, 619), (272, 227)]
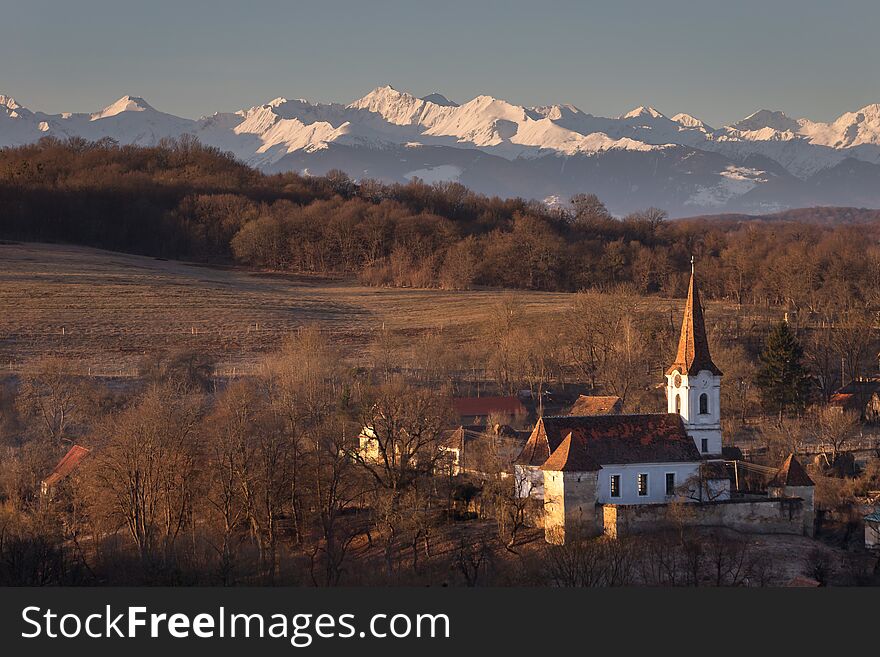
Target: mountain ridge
[(764, 163)]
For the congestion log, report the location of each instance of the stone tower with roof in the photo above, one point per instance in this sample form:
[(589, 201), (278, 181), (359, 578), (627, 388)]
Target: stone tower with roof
[(792, 480), (693, 381)]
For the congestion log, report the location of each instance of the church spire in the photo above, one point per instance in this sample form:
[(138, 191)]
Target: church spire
[(693, 345)]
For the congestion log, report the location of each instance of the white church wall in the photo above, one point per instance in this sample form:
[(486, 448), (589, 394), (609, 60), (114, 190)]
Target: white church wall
[(685, 399), (629, 493)]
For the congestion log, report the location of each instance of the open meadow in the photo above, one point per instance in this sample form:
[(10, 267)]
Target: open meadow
[(105, 309)]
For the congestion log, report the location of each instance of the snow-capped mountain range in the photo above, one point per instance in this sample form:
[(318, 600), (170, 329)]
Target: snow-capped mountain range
[(765, 162)]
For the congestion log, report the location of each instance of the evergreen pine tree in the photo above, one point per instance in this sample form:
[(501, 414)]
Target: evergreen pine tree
[(783, 381)]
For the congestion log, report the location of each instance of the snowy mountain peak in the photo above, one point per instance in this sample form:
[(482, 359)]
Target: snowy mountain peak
[(643, 112), (393, 106), (386, 94), (8, 102), (767, 160), (767, 119), (124, 104), (688, 121), (869, 114), (439, 99)]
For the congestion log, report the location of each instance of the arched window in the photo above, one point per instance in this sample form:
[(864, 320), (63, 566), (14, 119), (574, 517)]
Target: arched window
[(704, 404), (678, 404)]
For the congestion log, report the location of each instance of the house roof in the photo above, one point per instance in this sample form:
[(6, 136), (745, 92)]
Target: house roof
[(488, 405), (572, 455), (66, 465), (609, 439), (864, 386), (693, 345), (547, 435), (855, 394), (873, 517), (468, 433), (791, 473), (846, 400), (596, 405)]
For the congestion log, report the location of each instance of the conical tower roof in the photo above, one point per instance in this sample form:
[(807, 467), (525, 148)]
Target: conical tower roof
[(693, 345), (791, 473)]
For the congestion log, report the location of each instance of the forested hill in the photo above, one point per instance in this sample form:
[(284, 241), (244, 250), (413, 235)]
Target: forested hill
[(826, 215), (184, 200)]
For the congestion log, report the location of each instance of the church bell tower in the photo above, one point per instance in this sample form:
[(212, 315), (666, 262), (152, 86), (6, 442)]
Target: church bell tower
[(693, 381)]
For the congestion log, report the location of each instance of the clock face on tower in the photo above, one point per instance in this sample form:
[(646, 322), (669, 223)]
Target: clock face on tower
[(677, 380)]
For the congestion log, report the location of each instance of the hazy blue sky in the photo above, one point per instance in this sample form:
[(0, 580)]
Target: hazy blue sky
[(717, 60)]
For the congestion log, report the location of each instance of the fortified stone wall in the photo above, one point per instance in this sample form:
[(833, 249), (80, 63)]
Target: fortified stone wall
[(764, 516)]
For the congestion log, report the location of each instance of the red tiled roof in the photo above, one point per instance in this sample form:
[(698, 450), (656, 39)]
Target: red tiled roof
[(66, 465), (693, 345), (572, 455), (548, 433), (596, 405), (845, 400), (488, 405), (611, 439), (791, 473)]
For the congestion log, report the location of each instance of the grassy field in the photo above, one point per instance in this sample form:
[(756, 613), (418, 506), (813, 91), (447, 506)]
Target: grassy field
[(105, 310)]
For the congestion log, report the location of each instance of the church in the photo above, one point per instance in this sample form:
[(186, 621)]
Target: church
[(596, 472)]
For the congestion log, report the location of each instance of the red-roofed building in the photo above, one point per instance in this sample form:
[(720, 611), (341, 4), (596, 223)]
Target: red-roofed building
[(860, 396), (643, 459), (68, 463), (476, 410)]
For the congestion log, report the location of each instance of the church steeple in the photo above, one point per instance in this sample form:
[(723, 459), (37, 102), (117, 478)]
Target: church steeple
[(693, 345)]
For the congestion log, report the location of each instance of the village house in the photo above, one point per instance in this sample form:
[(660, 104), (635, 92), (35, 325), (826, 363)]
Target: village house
[(467, 444), (475, 448), (613, 474), (68, 463), (477, 410), (597, 405), (861, 396)]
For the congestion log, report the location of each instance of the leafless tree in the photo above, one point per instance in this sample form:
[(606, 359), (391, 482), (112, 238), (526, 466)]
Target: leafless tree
[(834, 427), (406, 426), (146, 472), (334, 487), (52, 394)]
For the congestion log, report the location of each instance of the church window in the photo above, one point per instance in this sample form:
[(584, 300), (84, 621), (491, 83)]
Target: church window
[(643, 484), (670, 483), (615, 485), (704, 445), (704, 404), (678, 404)]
